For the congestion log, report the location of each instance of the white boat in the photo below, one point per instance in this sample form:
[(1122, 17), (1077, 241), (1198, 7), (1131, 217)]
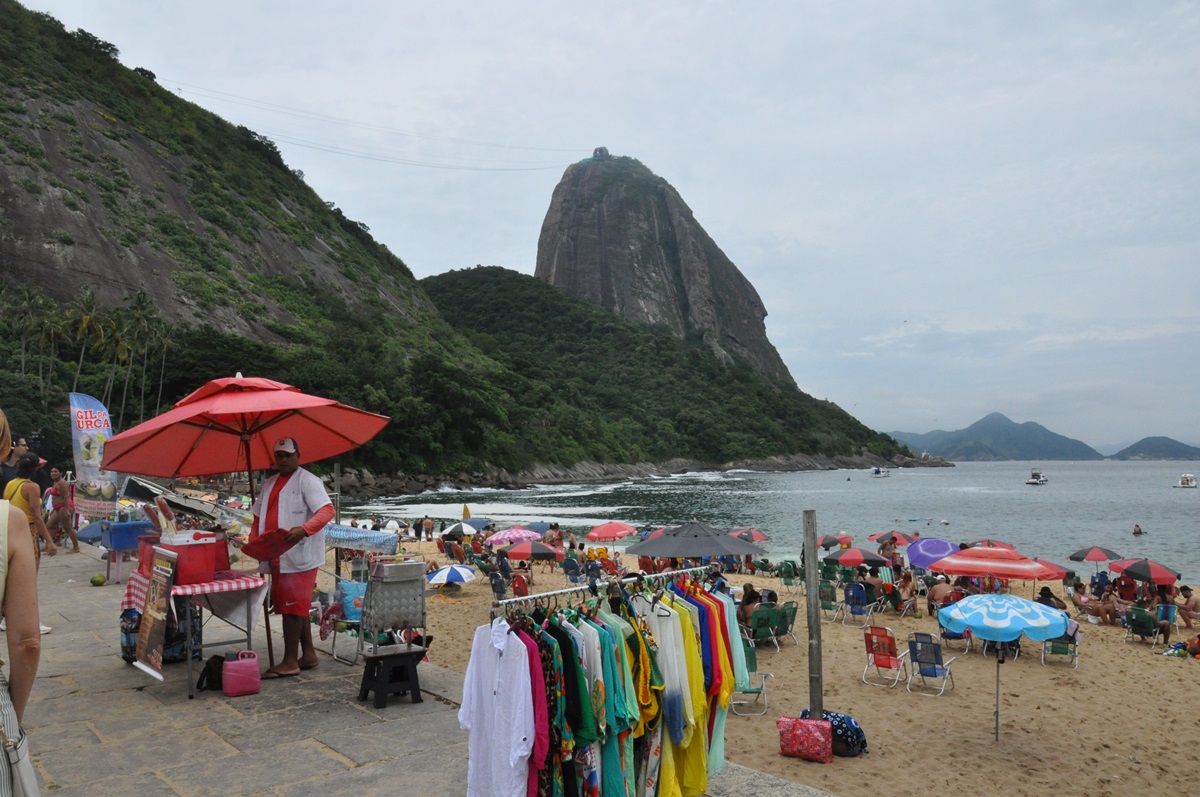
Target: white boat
[(880, 473), (1186, 480), (1036, 477)]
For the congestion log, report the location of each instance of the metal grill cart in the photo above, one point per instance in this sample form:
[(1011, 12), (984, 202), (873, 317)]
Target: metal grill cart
[(394, 600)]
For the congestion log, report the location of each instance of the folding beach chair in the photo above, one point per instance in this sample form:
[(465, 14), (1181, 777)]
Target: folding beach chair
[(831, 607), (1168, 612), (762, 625), (786, 620), (925, 662), (857, 605), (571, 568), (1065, 645), (883, 655), (499, 586), (759, 691), (520, 587), (789, 576), (1140, 623), (951, 597)]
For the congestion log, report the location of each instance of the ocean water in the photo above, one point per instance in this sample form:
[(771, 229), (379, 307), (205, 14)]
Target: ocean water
[(1084, 503)]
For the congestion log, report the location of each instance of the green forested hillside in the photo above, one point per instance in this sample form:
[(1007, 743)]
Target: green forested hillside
[(146, 245), (635, 391)]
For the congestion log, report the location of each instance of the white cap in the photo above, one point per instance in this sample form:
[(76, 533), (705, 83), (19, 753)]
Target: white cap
[(941, 578), (285, 444)]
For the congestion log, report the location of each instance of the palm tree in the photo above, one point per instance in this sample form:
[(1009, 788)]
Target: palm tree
[(85, 317), (26, 314), (144, 318)]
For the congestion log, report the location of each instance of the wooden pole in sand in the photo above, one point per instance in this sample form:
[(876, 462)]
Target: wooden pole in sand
[(812, 587)]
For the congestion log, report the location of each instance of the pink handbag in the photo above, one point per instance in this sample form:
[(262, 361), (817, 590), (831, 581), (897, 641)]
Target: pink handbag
[(811, 740)]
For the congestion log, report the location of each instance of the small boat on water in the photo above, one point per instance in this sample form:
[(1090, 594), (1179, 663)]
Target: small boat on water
[(1036, 477), (880, 473), (1186, 480)]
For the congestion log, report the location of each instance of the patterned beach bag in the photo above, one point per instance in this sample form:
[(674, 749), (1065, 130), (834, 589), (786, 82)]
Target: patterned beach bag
[(811, 740)]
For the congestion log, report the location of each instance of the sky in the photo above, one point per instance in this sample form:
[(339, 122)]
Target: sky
[(949, 209)]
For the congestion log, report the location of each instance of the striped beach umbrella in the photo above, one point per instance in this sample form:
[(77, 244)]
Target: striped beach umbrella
[(451, 574)]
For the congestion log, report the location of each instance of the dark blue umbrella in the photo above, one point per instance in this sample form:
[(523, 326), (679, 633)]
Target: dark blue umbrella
[(540, 526)]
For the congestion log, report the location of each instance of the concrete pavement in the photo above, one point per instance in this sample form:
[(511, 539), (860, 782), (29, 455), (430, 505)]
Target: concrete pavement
[(99, 726)]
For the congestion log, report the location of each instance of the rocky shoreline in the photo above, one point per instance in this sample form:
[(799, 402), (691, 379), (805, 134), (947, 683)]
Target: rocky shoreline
[(361, 483)]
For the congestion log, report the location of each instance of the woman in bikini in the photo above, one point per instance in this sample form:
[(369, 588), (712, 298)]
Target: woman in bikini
[(62, 508)]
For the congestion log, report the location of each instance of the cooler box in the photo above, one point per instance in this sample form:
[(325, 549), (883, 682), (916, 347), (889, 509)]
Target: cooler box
[(199, 563), (123, 536)]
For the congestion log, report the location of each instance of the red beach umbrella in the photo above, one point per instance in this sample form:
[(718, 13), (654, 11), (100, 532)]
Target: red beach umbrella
[(610, 531), (1094, 553), (231, 424), (1145, 570), (986, 542), (531, 549), (899, 537), (749, 535), (997, 562), (853, 557)]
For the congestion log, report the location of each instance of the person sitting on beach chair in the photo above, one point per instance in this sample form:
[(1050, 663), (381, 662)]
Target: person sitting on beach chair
[(1089, 606)]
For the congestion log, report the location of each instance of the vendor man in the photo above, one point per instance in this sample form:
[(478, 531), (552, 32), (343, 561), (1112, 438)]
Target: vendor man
[(294, 499)]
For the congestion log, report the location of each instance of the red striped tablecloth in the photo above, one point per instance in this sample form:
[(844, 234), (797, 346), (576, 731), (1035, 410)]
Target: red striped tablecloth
[(224, 581)]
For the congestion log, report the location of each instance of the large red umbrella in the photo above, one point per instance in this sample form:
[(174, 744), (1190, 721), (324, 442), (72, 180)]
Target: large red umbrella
[(1145, 570), (610, 531), (997, 562), (853, 557), (231, 424), (531, 549)]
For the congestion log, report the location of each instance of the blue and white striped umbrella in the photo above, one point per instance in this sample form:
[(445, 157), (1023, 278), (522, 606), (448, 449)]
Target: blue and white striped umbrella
[(1003, 618), (451, 574)]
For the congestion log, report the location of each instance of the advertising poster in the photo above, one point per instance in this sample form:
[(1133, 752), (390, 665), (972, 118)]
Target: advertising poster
[(95, 488), (153, 631)]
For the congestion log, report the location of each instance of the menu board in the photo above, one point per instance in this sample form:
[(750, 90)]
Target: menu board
[(153, 631)]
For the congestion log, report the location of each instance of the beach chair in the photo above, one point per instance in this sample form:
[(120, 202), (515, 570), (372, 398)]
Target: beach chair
[(759, 691), (789, 576), (504, 567), (499, 586), (459, 555), (892, 600), (1065, 645), (1168, 612), (1140, 623), (593, 570), (949, 636), (854, 599), (1097, 583), (762, 625), (831, 607), (646, 565), (786, 620), (829, 572), (925, 663), (611, 568), (520, 587), (477, 547), (441, 545), (883, 655), (571, 568)]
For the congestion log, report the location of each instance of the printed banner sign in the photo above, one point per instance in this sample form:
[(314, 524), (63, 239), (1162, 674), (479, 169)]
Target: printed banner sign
[(95, 488), (153, 632)]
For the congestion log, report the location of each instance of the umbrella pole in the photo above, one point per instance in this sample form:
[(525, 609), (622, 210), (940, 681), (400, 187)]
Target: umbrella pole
[(267, 597), (999, 656)]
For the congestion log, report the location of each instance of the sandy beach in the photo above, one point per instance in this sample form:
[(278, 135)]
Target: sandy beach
[(1123, 721)]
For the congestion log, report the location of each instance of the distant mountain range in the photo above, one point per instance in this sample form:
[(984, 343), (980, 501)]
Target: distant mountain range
[(995, 437)]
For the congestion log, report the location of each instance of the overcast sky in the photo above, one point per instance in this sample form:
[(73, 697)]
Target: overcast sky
[(949, 208)]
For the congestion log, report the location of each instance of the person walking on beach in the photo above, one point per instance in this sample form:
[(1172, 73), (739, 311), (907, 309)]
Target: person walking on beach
[(24, 494), (62, 508), (293, 499)]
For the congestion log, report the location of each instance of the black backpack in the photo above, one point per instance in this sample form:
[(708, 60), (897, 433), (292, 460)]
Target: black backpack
[(849, 739), (210, 676)]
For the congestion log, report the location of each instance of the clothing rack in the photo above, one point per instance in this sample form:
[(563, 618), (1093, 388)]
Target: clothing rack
[(602, 584)]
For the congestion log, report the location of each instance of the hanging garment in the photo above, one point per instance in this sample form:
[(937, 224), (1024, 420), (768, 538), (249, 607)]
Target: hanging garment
[(497, 711)]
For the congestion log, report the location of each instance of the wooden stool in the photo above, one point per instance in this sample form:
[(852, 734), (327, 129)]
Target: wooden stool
[(391, 670)]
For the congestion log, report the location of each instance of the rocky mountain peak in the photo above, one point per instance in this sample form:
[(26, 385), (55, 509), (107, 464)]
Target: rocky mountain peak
[(620, 236)]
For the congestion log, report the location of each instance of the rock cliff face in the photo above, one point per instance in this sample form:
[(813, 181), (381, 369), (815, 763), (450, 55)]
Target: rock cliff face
[(620, 236)]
